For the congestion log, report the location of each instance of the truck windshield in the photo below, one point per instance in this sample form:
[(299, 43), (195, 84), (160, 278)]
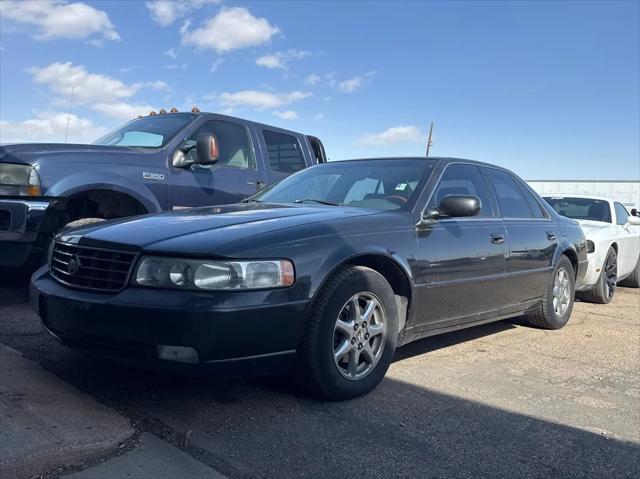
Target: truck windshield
[(374, 184), (148, 132), (581, 208)]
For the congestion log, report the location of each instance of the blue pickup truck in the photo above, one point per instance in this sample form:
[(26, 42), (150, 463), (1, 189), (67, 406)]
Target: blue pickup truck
[(154, 163)]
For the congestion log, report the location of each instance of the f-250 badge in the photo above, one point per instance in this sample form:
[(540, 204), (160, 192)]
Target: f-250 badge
[(152, 176)]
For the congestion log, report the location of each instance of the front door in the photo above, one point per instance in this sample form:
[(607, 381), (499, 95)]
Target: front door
[(461, 272), (628, 239), (236, 175)]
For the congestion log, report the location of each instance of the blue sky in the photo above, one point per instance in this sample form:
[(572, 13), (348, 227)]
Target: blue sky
[(548, 89)]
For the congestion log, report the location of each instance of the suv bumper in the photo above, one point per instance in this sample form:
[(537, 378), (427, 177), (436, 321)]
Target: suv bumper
[(234, 334), (20, 221)]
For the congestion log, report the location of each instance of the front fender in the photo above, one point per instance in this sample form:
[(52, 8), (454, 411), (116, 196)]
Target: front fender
[(79, 182)]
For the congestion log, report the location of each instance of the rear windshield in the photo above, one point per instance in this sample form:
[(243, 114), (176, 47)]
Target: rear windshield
[(148, 132), (581, 208)]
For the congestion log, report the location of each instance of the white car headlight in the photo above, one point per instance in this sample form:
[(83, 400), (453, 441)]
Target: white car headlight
[(19, 180), (213, 275)]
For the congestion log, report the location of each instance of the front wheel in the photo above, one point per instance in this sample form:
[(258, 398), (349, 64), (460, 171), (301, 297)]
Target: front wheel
[(554, 310), (605, 288), (351, 336)]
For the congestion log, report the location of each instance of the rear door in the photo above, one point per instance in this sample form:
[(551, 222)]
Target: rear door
[(462, 261), (533, 237), (284, 153), (236, 175)]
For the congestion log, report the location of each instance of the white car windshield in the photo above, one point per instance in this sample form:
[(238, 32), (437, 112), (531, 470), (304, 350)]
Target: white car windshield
[(581, 208)]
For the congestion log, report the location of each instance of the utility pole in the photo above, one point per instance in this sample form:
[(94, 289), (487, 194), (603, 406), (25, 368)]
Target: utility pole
[(429, 142), (66, 135)]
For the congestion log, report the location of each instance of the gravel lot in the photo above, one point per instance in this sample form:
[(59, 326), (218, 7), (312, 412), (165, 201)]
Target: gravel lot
[(500, 400)]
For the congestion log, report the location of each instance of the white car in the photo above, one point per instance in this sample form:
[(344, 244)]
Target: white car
[(613, 241)]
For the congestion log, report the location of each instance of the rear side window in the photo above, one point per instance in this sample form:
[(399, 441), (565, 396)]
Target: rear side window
[(285, 154), (511, 199), (534, 205), (622, 215), (463, 180)]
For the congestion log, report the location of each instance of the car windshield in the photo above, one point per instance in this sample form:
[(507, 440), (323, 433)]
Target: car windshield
[(581, 208), (375, 184), (148, 132)]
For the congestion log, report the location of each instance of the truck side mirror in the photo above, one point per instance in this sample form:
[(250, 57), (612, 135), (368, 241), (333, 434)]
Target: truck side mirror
[(207, 149)]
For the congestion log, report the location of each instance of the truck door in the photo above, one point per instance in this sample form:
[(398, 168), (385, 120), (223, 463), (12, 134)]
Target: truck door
[(284, 154), (236, 175)]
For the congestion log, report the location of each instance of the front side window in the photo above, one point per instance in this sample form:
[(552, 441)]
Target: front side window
[(373, 184), (285, 154), (581, 208), (511, 199), (463, 180), (622, 215), (233, 144), (148, 132)]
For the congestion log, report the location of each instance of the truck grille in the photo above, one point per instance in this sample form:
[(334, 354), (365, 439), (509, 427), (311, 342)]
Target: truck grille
[(91, 268)]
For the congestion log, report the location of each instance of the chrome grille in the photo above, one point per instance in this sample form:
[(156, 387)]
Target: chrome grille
[(91, 268)]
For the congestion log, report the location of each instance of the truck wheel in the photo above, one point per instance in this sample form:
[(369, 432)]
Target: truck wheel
[(351, 336), (554, 310), (79, 223), (633, 280), (605, 288)]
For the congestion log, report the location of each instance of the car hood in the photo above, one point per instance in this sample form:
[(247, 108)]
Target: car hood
[(203, 230), (31, 153), (593, 229)]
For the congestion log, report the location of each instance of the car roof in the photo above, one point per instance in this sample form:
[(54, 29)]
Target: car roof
[(443, 159), (572, 195)]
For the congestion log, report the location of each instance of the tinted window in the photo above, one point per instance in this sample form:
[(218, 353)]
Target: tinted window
[(285, 154), (463, 180), (622, 214), (148, 132), (535, 207), (512, 202), (581, 208), (233, 143), (374, 184)]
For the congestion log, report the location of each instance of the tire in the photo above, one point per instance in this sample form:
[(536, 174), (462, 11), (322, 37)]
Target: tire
[(633, 280), (79, 223), (545, 315), (605, 288), (331, 331)]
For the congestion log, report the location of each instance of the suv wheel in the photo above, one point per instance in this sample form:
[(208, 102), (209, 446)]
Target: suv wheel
[(554, 310), (351, 336)]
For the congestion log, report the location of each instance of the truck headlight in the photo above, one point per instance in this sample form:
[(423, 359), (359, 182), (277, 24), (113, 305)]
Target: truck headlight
[(210, 275), (19, 180)]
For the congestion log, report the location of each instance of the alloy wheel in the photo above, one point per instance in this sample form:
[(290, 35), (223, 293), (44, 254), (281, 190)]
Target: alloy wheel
[(610, 275), (561, 292), (359, 336)]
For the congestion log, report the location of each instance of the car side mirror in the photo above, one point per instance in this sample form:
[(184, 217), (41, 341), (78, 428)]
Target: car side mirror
[(207, 149), (459, 206), (633, 220), (634, 212)]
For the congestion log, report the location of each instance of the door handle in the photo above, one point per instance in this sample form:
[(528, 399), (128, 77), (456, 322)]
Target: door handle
[(497, 238), (259, 184), (551, 235)]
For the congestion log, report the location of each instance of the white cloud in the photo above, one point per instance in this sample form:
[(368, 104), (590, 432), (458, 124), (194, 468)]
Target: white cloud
[(175, 66), (50, 126), (280, 59), (313, 80), (261, 100), (217, 63), (59, 19), (165, 12), (158, 85), (171, 52), (350, 85), (122, 110), (319, 116), (231, 29), (396, 134), (286, 115)]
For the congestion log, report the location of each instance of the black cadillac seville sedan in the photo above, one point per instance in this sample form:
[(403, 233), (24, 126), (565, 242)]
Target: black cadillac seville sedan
[(322, 275)]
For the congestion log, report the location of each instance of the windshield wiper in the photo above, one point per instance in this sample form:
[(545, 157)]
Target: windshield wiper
[(250, 200), (315, 200)]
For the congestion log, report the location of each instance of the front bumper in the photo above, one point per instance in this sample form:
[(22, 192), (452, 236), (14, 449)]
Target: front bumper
[(241, 333), (20, 221)]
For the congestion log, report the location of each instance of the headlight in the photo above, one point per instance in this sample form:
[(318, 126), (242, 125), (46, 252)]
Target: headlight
[(177, 273), (19, 180)]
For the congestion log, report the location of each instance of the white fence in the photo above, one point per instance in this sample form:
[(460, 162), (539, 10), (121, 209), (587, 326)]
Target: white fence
[(625, 191)]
